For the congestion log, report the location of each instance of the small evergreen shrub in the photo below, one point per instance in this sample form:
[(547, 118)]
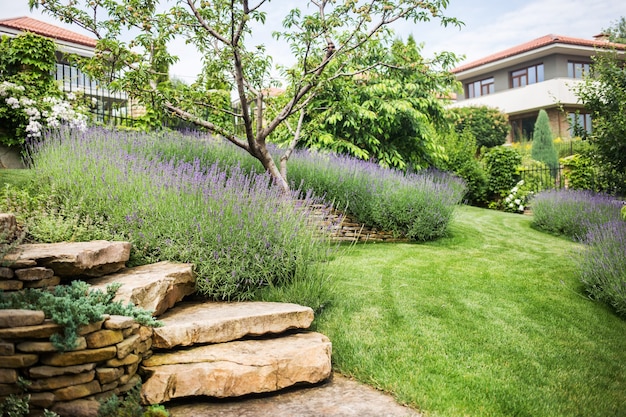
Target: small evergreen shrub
[(571, 212), (602, 264), (73, 306), (543, 149)]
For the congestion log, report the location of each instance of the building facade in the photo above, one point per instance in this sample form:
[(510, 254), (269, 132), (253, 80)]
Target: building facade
[(106, 106), (540, 74)]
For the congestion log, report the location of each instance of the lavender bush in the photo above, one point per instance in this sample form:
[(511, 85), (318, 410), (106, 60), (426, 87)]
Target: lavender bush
[(418, 206), (602, 264), (572, 212), (241, 234)]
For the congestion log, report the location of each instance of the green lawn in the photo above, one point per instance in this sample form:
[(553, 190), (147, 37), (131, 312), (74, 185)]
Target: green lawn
[(489, 321)]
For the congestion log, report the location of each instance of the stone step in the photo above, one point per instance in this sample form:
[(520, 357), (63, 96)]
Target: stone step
[(155, 287), (72, 259), (237, 368), (191, 323)]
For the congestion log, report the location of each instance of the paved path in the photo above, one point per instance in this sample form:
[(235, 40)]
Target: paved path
[(340, 397)]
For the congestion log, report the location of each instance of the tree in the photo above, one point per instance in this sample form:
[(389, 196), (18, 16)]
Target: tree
[(617, 31), (322, 42), (389, 114), (489, 126), (543, 149), (604, 96)]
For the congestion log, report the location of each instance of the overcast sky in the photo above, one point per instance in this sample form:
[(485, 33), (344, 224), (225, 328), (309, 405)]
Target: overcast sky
[(490, 26)]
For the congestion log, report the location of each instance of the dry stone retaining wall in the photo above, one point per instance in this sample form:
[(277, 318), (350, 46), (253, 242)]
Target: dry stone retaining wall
[(104, 363)]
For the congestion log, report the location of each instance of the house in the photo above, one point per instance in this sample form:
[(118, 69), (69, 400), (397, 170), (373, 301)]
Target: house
[(539, 74), (106, 106)]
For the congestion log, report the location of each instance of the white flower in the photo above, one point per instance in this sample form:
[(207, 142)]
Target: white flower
[(518, 201), (514, 190), (71, 96), (521, 208), (508, 199), (13, 102), (510, 205)]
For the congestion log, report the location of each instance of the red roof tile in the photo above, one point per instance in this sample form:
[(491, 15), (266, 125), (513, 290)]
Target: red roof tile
[(28, 24), (536, 44)]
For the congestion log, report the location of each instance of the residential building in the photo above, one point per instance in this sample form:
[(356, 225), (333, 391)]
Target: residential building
[(540, 74), (107, 106)]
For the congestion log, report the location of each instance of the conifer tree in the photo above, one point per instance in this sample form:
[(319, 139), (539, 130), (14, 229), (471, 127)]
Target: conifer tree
[(543, 149)]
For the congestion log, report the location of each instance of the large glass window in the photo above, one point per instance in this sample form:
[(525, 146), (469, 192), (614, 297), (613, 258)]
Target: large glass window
[(579, 124), (480, 88), (577, 69), (526, 76)]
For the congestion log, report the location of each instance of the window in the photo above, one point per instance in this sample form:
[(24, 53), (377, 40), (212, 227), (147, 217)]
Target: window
[(480, 88), (577, 69), (579, 124), (526, 76)]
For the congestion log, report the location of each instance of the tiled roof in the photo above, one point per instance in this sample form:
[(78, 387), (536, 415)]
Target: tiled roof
[(536, 44), (28, 24)]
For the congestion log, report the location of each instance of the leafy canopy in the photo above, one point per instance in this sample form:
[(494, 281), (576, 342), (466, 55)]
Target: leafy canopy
[(389, 113), (323, 37)]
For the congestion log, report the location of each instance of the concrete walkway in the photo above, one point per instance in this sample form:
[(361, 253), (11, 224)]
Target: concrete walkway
[(339, 397)]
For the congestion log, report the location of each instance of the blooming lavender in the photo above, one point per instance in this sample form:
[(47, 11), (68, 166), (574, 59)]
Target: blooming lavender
[(241, 234), (571, 212), (602, 263)]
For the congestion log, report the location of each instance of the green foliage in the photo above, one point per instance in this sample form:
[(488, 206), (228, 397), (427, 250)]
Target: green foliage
[(501, 164), (129, 406), (604, 96), (489, 126), (617, 31), (543, 149), (18, 405), (536, 175), (461, 151), (390, 115), (580, 172), (73, 306), (27, 62)]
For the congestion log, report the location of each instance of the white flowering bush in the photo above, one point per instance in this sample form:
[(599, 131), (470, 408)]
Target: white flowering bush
[(517, 200), (28, 116)]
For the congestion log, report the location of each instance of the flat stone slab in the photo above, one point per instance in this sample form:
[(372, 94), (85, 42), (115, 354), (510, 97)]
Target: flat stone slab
[(70, 259), (156, 287), (237, 368), (339, 397), (192, 323)]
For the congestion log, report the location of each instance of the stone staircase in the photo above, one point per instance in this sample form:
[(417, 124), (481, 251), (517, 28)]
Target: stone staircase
[(214, 349)]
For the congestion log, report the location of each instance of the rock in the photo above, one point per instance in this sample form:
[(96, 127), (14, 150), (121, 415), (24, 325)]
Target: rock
[(155, 287), (71, 259), (237, 368), (115, 322), (77, 391), (125, 347), (103, 338), (18, 318), (41, 331), (79, 357), (6, 273), (42, 399), (50, 371), (42, 283), (35, 273), (8, 376), (38, 347), (19, 360), (47, 384), (8, 227), (107, 375), (6, 348), (11, 285), (214, 322), (77, 408)]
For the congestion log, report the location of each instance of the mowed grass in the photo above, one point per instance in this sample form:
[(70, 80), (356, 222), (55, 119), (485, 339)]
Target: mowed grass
[(488, 321)]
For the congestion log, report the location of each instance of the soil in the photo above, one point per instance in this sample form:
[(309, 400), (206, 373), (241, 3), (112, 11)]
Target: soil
[(338, 397)]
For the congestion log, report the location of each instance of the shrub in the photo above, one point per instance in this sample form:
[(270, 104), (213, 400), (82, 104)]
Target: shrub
[(461, 150), (489, 126), (240, 233), (414, 205), (543, 149), (580, 172), (536, 175), (73, 306), (572, 212), (602, 264), (501, 164)]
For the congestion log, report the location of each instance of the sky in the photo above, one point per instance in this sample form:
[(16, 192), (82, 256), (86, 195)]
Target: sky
[(489, 26)]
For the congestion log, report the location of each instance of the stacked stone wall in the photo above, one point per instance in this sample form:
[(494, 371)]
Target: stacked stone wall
[(104, 363)]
